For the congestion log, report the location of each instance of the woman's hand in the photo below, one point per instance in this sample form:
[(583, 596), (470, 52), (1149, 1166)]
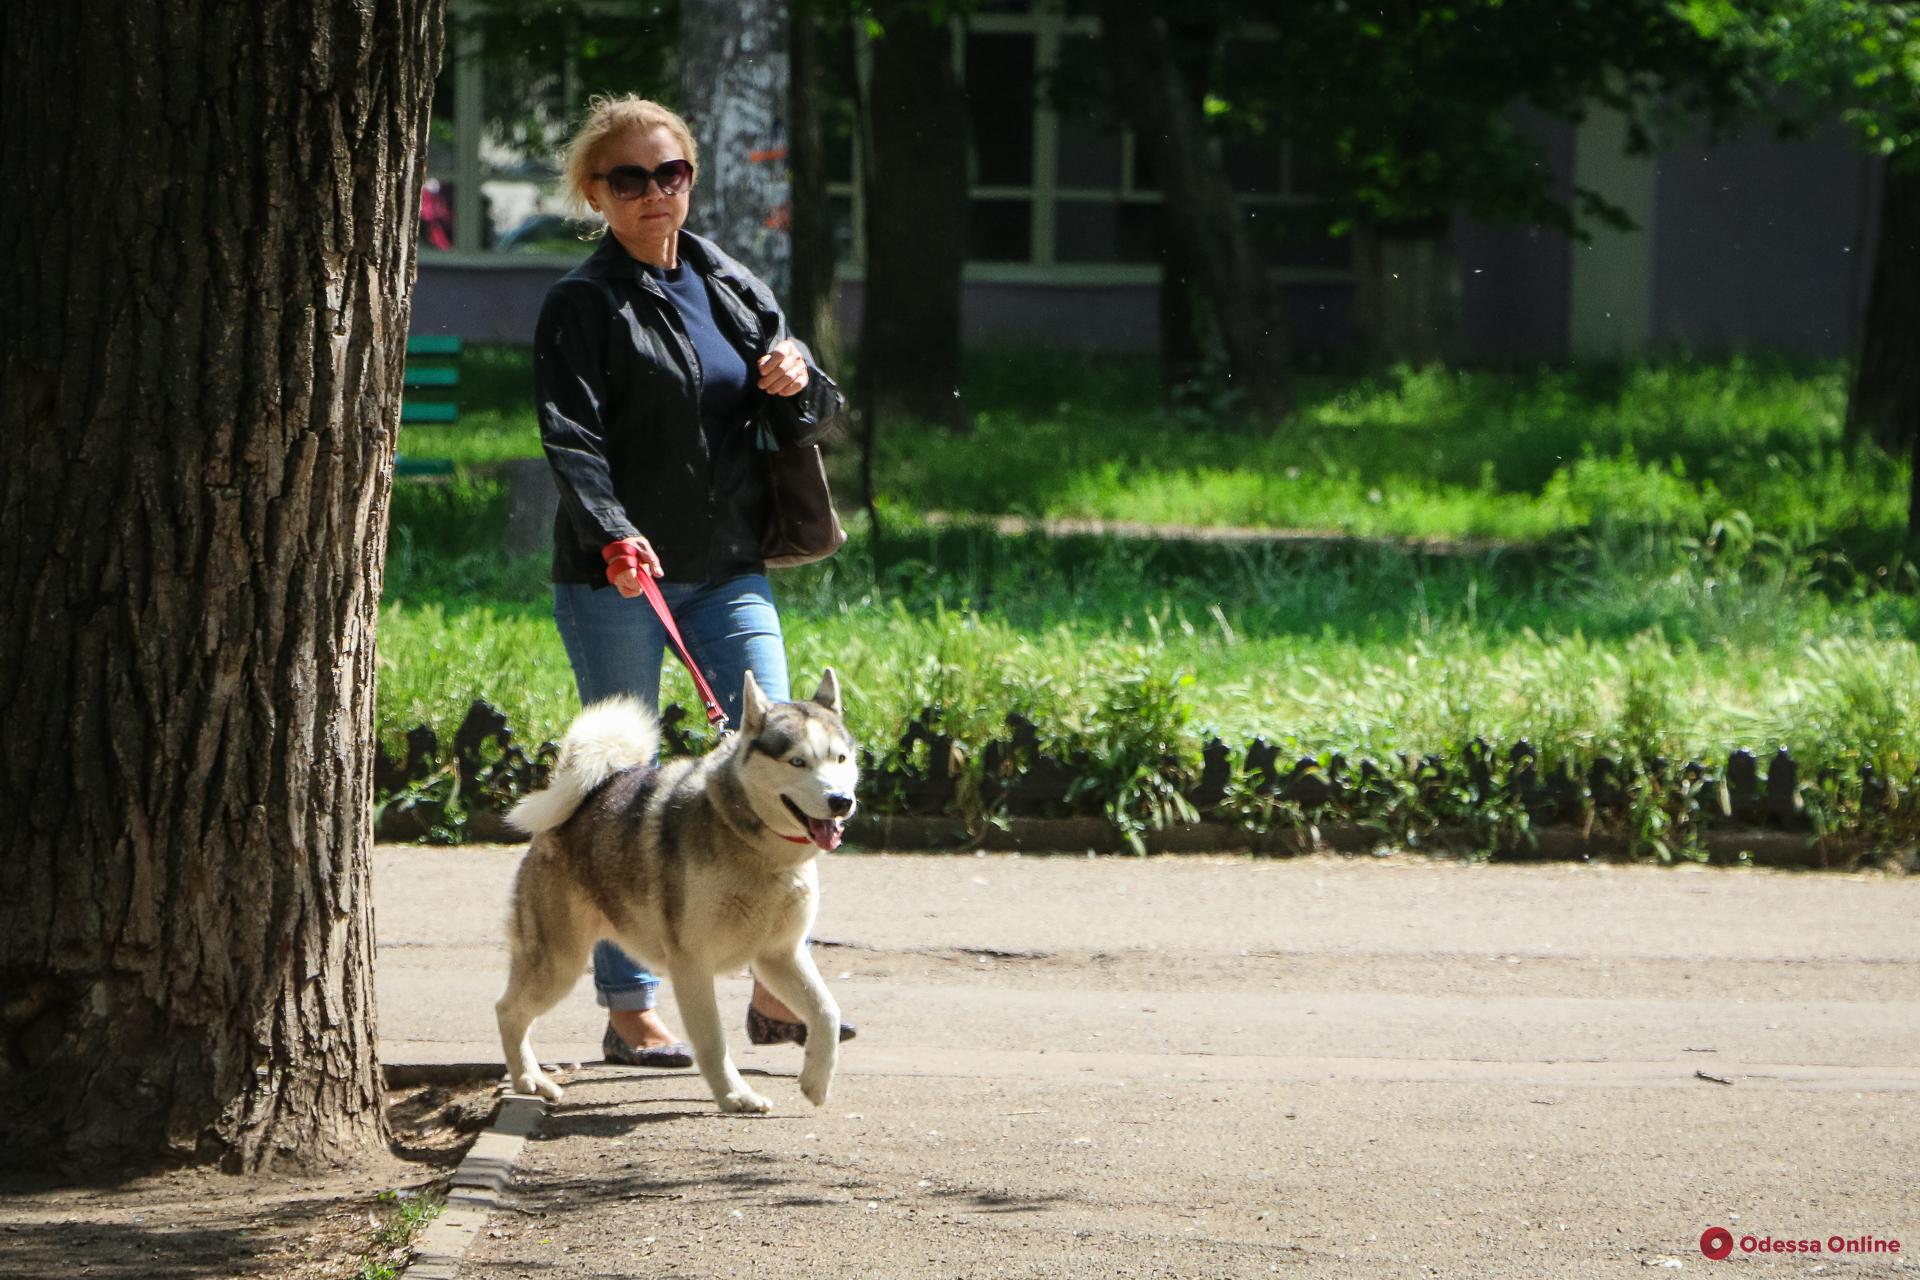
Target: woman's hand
[(783, 370), (626, 560)]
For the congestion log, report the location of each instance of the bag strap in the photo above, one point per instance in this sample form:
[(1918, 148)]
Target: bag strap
[(715, 716)]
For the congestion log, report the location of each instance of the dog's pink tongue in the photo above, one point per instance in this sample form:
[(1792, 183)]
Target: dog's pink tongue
[(826, 832)]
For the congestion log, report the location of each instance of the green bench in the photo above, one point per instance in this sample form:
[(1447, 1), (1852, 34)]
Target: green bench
[(433, 365)]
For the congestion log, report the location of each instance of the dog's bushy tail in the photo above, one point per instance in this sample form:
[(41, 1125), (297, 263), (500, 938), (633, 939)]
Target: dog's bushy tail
[(604, 739)]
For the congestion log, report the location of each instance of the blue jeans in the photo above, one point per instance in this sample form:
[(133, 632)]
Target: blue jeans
[(616, 646)]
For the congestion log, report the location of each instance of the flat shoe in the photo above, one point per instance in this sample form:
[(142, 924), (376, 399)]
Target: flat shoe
[(764, 1030), (614, 1049)]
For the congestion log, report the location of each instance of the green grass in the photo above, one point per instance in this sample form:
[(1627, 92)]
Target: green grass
[(1375, 652), (410, 1215), (496, 412), (1686, 560), (1423, 453), (1407, 453), (407, 1216)]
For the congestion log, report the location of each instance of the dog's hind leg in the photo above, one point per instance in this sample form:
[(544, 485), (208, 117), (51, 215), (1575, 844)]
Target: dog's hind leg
[(792, 977), (550, 945), (693, 991)]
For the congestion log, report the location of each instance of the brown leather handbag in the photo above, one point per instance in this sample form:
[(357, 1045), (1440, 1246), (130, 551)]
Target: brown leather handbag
[(802, 525)]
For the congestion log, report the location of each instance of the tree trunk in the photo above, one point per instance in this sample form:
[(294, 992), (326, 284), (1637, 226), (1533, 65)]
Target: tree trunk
[(810, 310), (203, 313), (1913, 501), (1183, 354), (915, 183), (863, 410), (1884, 404), (1199, 207), (1409, 294), (733, 80)]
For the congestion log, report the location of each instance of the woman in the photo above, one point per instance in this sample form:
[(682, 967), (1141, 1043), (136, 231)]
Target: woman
[(660, 367)]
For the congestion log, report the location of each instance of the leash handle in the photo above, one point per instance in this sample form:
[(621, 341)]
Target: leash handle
[(715, 716)]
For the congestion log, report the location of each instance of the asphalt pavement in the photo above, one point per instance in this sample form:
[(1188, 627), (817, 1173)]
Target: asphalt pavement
[(1224, 1066)]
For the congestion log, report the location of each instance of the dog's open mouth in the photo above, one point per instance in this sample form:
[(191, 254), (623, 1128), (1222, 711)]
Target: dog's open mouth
[(825, 832)]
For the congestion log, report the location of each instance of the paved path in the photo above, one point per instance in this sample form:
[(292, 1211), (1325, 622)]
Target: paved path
[(1224, 1067)]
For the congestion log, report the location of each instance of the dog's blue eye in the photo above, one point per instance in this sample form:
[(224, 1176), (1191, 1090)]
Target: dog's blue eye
[(798, 762)]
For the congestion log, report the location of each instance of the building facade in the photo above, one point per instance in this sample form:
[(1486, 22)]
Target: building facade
[(1749, 242)]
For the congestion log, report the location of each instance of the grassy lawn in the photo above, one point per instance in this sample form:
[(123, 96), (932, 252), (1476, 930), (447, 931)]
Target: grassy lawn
[(1414, 453), (1699, 565), (496, 412), (1644, 650)]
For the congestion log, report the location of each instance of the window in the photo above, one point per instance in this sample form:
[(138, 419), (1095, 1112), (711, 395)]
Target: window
[(515, 81), (1060, 192)]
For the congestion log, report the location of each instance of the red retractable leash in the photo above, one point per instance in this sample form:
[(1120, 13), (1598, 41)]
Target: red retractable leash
[(715, 716), (612, 552)]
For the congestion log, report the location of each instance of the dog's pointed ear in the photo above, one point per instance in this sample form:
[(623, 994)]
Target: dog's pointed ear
[(828, 694), (753, 706)]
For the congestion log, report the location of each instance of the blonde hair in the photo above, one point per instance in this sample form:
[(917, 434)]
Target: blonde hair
[(608, 117)]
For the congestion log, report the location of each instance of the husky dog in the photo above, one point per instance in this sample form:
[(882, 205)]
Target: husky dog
[(697, 867)]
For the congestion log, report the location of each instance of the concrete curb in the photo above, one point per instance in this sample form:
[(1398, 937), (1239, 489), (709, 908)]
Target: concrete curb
[(910, 833), (404, 1075), (476, 1187), (902, 833)]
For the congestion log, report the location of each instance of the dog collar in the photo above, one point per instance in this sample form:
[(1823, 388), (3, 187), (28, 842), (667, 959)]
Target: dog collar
[(795, 839)]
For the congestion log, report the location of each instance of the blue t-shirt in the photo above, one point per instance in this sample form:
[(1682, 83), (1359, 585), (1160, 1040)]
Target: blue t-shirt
[(723, 371)]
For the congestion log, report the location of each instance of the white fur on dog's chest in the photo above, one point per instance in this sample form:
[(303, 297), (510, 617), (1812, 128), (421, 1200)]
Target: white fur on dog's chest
[(749, 914)]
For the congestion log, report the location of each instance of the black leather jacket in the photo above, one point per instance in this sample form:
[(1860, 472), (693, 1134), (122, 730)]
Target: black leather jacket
[(618, 390)]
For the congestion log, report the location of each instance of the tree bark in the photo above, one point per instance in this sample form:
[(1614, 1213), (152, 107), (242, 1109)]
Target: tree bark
[(1913, 501), (811, 311), (863, 400), (1199, 207), (1183, 353), (1884, 403), (915, 184), (733, 81), (203, 313), (1409, 295)]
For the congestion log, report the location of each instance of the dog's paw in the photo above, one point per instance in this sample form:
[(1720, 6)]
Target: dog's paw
[(744, 1101), (814, 1084), (538, 1085)]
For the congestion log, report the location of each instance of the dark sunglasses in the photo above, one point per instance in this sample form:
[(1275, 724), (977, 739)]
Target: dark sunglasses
[(629, 181)]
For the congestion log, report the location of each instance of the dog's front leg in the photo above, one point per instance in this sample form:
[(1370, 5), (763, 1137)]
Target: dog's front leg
[(792, 977), (701, 1014)]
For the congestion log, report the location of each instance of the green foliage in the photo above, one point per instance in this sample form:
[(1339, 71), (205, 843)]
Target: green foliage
[(1140, 751), (407, 1215), (1860, 58), (544, 58), (1400, 115), (1402, 112)]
